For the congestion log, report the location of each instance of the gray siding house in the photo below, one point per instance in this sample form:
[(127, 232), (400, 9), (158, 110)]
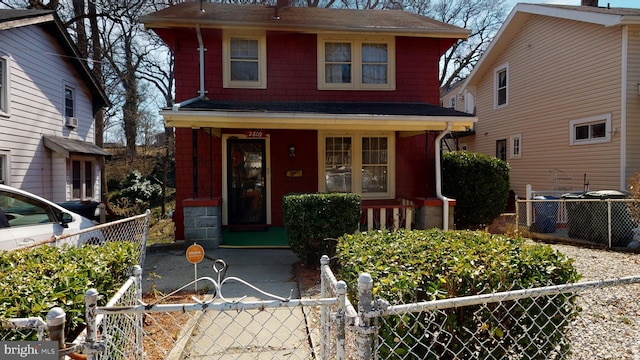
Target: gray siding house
[(48, 99)]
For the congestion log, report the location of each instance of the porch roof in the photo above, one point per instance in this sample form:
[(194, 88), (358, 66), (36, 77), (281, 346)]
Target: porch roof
[(317, 116), (65, 146)]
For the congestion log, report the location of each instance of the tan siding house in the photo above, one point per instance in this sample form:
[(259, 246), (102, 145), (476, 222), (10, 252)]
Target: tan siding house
[(557, 97)]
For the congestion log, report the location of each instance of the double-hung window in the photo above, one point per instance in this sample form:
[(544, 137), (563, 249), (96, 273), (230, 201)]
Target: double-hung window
[(501, 88), (4, 167), (4, 86), (596, 129), (515, 145), (244, 60), (82, 179), (69, 102), (358, 162), (346, 63)]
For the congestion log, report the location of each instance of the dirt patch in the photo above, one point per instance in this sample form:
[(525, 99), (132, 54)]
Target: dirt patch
[(162, 329)]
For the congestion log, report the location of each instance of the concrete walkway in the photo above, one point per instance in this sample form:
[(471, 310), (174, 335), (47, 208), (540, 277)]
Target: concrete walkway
[(253, 334)]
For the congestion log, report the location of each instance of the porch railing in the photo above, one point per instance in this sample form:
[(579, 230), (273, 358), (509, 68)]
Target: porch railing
[(392, 216)]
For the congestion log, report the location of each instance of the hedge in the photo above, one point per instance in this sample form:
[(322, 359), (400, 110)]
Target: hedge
[(34, 281), (425, 265)]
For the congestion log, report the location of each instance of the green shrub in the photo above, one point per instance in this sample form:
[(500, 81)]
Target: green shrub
[(309, 219), (36, 280), (479, 184), (414, 266)]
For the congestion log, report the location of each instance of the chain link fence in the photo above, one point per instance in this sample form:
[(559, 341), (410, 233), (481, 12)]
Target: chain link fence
[(230, 319), (594, 320), (600, 221), (132, 229)]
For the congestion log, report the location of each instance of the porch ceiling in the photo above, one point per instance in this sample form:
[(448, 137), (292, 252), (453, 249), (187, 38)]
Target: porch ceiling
[(317, 116)]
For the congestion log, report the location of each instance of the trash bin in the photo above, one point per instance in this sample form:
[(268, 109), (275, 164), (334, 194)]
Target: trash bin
[(546, 214), (622, 223), (578, 216), (84, 208)]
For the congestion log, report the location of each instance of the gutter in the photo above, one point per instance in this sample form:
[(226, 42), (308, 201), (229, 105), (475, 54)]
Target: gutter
[(445, 200), (202, 91)]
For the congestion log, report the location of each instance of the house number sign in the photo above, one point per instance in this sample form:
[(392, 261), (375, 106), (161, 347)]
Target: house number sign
[(255, 133)]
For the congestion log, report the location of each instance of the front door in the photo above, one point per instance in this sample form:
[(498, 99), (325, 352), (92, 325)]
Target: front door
[(246, 181)]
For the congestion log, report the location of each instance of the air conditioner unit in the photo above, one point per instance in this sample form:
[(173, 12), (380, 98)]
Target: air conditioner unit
[(71, 122)]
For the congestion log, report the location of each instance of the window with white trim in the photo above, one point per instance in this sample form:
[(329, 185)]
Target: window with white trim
[(4, 86), (361, 163), (244, 60), (501, 88), (348, 63), (4, 167), (515, 146), (69, 101), (82, 179), (591, 130)]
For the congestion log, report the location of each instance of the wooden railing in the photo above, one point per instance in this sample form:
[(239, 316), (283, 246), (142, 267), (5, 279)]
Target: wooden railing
[(382, 215)]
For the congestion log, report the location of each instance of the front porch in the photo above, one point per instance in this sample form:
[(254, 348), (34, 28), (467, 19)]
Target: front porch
[(203, 222)]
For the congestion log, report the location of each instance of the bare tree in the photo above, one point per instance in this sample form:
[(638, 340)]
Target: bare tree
[(482, 17)]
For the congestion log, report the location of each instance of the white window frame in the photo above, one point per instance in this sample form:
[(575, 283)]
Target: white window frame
[(5, 167), (83, 186), (356, 62), (356, 162), (598, 119), (5, 90), (261, 38), (515, 146), (497, 88), (73, 100)]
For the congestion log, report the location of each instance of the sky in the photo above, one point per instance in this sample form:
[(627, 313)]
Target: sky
[(612, 3)]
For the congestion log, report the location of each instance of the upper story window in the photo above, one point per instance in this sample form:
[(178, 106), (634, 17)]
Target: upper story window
[(69, 102), (596, 129), (348, 63), (4, 86), (244, 60), (515, 146), (501, 95)]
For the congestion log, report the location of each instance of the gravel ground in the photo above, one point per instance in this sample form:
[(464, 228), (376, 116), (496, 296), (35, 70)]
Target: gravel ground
[(609, 325)]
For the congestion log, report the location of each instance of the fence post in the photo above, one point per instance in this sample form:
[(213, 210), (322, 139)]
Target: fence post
[(365, 305), (325, 326), (341, 319), (137, 276), (91, 304), (56, 318), (529, 205), (609, 224)]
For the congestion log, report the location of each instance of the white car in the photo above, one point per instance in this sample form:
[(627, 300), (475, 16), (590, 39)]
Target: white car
[(27, 219)]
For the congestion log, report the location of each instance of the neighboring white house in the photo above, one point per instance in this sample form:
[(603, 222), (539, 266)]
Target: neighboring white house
[(48, 99), (557, 97)]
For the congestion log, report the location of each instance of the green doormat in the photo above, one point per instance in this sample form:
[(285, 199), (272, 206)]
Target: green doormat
[(274, 237)]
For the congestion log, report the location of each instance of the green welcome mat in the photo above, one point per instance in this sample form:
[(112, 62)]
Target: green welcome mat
[(273, 237)]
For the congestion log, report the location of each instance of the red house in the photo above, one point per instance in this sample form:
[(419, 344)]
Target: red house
[(278, 99)]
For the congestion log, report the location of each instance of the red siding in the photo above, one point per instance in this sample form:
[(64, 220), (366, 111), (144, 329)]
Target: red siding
[(411, 155), (291, 63), (306, 159)]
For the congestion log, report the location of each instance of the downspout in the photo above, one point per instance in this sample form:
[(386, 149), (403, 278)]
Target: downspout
[(202, 91), (444, 199)]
